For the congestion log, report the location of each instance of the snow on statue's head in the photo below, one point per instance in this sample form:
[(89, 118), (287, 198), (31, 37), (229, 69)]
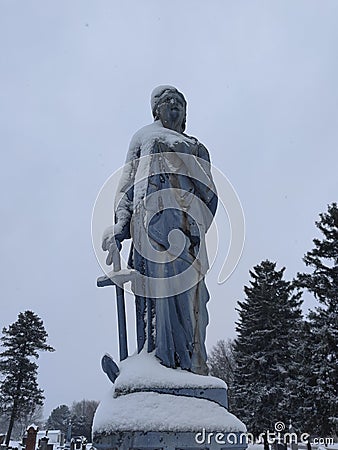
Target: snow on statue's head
[(169, 94)]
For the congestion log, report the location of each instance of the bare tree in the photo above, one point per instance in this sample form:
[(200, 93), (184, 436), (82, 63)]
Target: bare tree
[(221, 363)]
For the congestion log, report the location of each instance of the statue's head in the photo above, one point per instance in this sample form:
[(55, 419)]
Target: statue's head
[(169, 106)]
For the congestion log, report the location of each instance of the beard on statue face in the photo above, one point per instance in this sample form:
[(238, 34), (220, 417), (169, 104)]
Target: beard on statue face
[(171, 112)]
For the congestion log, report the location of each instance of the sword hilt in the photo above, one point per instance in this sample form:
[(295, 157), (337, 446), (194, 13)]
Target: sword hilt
[(116, 257)]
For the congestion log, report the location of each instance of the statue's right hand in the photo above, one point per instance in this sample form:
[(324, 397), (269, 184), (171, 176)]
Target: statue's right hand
[(117, 232), (107, 238), (111, 241)]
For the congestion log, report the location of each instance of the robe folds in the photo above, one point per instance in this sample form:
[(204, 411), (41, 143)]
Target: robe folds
[(167, 199)]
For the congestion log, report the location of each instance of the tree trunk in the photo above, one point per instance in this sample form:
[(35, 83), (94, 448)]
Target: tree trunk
[(11, 424), (266, 443), (13, 413)]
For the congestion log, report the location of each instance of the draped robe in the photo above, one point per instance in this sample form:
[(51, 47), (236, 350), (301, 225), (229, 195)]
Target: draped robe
[(167, 188)]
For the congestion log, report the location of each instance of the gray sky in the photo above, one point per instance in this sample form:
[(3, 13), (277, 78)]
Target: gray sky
[(260, 78)]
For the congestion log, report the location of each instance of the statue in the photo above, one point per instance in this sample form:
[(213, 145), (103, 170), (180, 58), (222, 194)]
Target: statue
[(165, 203)]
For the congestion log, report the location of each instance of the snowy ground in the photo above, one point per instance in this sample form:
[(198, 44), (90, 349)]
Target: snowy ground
[(300, 447)]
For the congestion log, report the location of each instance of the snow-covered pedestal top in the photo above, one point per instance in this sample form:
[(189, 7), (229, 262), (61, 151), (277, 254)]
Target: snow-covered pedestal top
[(131, 406), (150, 411), (144, 371)]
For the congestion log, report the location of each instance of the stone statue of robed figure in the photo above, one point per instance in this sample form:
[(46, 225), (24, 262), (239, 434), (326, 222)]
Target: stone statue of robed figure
[(162, 396), (165, 203)]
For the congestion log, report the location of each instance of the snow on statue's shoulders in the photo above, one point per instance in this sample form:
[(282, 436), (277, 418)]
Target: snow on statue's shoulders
[(144, 370), (146, 136)]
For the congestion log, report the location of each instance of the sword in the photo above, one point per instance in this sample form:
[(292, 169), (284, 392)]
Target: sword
[(117, 277), (114, 254)]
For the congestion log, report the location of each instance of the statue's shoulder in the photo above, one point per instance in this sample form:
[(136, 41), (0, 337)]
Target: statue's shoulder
[(155, 132), (200, 149), (142, 134)]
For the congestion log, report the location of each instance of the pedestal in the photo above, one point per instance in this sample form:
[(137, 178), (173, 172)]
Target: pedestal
[(154, 407)]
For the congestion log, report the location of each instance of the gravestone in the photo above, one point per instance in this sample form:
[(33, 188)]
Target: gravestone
[(30, 441)]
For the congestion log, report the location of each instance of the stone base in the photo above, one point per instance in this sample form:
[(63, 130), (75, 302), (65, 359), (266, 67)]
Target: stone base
[(161, 421), (166, 440), (217, 395), (153, 407)]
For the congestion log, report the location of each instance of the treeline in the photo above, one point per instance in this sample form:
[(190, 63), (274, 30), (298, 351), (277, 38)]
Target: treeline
[(21, 399), (282, 366), (76, 420)]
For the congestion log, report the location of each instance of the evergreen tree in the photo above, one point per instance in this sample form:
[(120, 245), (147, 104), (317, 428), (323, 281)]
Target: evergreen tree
[(19, 391), (269, 325), (82, 415), (21, 424), (59, 419), (221, 362), (321, 408)]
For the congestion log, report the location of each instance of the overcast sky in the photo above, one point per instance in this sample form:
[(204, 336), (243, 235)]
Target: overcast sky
[(260, 78)]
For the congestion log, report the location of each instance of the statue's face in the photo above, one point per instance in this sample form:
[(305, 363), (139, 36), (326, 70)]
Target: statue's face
[(171, 111)]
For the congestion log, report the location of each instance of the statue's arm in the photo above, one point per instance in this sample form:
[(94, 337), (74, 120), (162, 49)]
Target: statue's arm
[(123, 209), (124, 198), (203, 181)]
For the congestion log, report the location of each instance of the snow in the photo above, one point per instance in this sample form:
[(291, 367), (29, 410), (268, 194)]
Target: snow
[(144, 140), (144, 370), (54, 436), (158, 91), (300, 446), (14, 444), (146, 136), (255, 447), (329, 447), (121, 276), (150, 411), (146, 411), (137, 168)]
